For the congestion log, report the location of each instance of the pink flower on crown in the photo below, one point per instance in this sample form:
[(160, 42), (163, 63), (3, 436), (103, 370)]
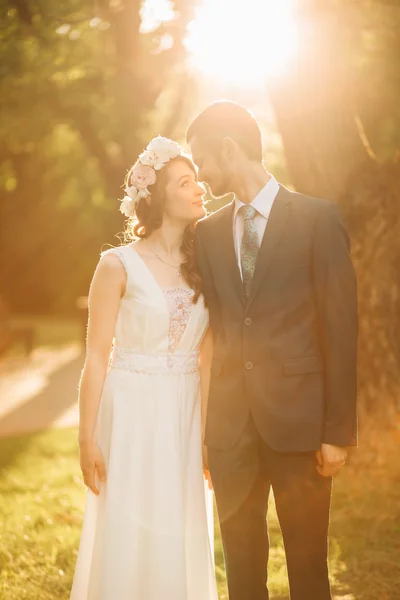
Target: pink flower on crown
[(142, 176)]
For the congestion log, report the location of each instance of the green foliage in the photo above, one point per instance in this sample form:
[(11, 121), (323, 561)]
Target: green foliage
[(79, 84), (84, 86)]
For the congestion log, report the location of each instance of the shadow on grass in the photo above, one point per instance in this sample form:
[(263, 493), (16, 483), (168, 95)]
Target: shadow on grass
[(365, 523), (364, 532)]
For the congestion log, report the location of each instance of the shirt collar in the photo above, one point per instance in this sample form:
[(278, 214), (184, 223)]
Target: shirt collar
[(264, 200)]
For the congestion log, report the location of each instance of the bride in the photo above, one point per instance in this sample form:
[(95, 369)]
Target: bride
[(147, 531)]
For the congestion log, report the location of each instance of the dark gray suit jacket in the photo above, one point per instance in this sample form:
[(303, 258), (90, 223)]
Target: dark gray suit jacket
[(288, 353)]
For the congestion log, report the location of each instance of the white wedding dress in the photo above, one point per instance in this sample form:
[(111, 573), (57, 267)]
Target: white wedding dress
[(149, 534)]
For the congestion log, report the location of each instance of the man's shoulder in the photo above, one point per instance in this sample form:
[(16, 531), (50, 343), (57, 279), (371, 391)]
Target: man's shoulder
[(214, 218), (312, 207), (304, 201), (317, 213)]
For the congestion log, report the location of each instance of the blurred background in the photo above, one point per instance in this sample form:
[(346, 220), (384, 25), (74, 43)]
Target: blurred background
[(84, 85)]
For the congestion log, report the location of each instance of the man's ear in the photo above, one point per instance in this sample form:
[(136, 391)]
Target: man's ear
[(228, 149)]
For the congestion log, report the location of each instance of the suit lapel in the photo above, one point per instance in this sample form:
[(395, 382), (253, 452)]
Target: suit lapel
[(228, 250), (273, 232)]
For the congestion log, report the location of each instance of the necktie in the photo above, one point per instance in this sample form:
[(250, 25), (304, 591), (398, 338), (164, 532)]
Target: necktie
[(250, 246)]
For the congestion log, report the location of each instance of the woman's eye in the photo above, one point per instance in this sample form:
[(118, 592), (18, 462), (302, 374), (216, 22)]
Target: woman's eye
[(185, 184)]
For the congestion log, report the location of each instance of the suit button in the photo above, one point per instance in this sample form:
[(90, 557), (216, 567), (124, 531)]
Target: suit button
[(249, 365), (248, 321)]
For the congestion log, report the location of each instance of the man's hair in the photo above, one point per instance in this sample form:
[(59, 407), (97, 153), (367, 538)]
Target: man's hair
[(227, 119)]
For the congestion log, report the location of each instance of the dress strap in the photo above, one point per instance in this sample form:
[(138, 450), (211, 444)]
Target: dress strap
[(118, 251)]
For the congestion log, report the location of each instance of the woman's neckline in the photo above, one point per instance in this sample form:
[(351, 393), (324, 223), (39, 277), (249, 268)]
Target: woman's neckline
[(160, 287)]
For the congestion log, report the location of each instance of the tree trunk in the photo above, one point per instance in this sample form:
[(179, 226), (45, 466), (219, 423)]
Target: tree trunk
[(328, 156)]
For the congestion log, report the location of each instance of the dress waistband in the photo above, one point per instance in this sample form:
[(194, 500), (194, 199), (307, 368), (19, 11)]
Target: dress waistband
[(176, 363)]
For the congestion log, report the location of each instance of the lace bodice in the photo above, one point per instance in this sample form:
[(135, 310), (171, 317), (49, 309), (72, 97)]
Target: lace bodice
[(179, 302), (157, 330)]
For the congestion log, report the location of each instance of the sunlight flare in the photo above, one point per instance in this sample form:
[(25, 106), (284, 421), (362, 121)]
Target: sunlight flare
[(242, 42)]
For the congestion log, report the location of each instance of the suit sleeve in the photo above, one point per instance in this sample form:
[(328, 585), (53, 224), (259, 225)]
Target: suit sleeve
[(208, 282), (336, 295)]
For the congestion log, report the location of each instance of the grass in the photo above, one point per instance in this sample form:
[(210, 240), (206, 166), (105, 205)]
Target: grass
[(40, 515), (42, 499)]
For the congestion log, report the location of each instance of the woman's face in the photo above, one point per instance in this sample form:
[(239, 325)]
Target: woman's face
[(183, 194)]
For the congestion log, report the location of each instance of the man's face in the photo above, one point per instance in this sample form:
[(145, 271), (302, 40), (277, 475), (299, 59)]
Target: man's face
[(211, 169)]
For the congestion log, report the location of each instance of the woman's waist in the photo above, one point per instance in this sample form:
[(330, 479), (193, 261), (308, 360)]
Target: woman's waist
[(167, 363)]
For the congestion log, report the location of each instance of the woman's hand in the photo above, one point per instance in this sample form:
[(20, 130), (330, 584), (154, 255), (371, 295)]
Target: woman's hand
[(91, 460)]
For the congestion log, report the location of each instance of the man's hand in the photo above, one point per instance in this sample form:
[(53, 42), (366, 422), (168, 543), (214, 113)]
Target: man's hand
[(330, 459)]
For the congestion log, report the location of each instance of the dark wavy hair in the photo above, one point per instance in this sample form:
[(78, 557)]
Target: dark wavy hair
[(227, 119), (149, 217)]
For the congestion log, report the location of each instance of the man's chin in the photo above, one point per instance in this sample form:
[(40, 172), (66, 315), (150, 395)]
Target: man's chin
[(218, 192)]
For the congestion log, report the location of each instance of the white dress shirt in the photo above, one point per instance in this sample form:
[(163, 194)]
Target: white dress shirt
[(262, 203)]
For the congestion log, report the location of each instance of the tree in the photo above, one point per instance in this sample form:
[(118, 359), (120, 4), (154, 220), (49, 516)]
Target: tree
[(338, 113), (83, 87)]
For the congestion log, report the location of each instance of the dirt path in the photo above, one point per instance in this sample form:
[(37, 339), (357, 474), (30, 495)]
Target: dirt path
[(40, 392)]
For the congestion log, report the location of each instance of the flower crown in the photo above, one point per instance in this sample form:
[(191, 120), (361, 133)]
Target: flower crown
[(157, 154)]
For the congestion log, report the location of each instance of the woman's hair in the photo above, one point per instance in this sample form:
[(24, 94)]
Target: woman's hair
[(149, 217), (227, 119)]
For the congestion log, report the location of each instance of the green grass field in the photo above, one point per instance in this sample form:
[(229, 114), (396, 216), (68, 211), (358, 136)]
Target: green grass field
[(42, 499)]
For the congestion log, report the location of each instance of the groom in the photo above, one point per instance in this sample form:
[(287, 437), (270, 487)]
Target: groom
[(282, 297)]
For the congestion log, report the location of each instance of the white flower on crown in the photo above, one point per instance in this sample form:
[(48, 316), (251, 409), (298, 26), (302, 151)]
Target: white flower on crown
[(128, 207), (131, 200), (159, 152), (131, 191)]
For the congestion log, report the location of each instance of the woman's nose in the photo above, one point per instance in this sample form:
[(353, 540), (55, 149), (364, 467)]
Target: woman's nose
[(200, 190)]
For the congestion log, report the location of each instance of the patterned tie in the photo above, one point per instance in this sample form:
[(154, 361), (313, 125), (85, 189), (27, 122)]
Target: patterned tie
[(250, 246)]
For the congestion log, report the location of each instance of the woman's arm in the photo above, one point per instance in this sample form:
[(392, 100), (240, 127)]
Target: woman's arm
[(107, 287)]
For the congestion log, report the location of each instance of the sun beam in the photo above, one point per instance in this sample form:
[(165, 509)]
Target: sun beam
[(242, 42)]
